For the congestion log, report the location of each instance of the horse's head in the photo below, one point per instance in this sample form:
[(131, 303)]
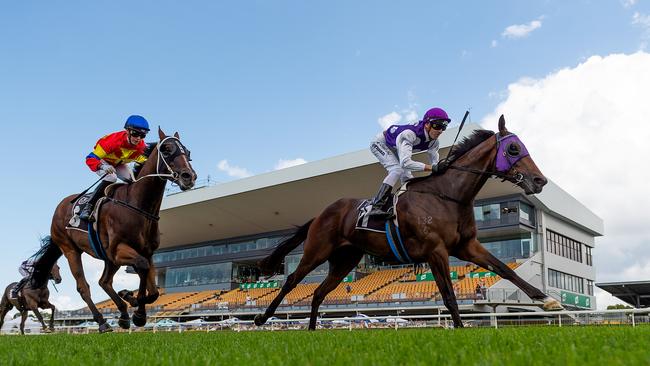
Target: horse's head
[(55, 273), (514, 161), (174, 157)]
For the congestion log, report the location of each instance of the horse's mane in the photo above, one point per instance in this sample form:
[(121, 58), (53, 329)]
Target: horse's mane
[(465, 145), (151, 146), (44, 260), (468, 143)]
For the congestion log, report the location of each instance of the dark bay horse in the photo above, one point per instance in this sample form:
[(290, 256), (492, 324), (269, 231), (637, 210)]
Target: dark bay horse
[(128, 229), (436, 219), (35, 294)]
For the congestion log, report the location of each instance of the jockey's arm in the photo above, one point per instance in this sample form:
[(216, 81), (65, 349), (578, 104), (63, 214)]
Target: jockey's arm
[(405, 141), (434, 155), (94, 160)]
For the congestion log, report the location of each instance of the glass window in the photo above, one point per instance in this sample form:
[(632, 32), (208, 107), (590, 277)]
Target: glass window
[(525, 212), (198, 275), (478, 213)]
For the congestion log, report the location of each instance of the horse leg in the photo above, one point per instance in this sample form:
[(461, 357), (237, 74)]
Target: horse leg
[(106, 282), (341, 263), (23, 317), (127, 256), (474, 252), (39, 317), (49, 305), (152, 289), (440, 269), (76, 267), (315, 253)]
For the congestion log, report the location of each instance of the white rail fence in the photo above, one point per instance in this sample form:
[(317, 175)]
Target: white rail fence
[(624, 317)]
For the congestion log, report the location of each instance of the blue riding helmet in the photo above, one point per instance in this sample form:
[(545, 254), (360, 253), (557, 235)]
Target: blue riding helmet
[(137, 122)]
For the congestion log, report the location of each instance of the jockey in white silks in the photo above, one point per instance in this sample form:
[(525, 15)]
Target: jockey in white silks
[(394, 149)]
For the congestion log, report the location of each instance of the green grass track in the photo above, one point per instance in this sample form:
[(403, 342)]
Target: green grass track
[(622, 345)]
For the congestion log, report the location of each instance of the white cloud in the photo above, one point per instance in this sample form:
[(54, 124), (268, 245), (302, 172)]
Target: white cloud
[(405, 115), (628, 3), (587, 129), (233, 171), (494, 43), (389, 119), (517, 31), (66, 302), (281, 164), (642, 20)]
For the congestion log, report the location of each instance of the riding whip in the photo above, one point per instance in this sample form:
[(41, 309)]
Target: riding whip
[(87, 189), (54, 285), (459, 129)]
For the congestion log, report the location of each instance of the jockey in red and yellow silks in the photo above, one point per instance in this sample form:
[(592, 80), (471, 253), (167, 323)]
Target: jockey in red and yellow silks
[(115, 149), (111, 155)]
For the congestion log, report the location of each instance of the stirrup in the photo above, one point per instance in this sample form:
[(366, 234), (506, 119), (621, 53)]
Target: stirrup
[(89, 218)]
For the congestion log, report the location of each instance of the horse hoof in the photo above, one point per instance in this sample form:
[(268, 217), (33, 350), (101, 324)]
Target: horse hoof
[(47, 330), (105, 328), (550, 304), (259, 320), (139, 320), (124, 323)]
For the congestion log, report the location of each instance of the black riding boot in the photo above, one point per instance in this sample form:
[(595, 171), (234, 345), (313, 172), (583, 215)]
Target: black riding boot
[(86, 213), (380, 200), (18, 287)]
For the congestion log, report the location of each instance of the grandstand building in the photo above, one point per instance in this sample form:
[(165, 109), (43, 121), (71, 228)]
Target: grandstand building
[(211, 238)]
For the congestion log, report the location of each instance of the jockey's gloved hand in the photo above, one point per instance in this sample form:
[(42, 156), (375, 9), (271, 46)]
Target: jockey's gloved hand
[(136, 169), (440, 167), (108, 168)]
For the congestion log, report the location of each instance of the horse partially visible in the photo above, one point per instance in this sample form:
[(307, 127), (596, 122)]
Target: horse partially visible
[(128, 229), (436, 219), (35, 294)]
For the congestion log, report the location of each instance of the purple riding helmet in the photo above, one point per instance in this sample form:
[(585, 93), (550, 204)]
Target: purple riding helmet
[(436, 114), (509, 151)]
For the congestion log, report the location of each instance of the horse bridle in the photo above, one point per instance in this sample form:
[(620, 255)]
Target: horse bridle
[(504, 161), (511, 154), (178, 149)]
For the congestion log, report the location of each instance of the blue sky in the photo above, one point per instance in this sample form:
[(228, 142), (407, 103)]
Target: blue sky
[(257, 82)]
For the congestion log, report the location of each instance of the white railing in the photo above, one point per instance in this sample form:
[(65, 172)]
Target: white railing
[(625, 317)]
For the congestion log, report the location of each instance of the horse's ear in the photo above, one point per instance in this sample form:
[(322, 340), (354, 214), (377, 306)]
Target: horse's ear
[(177, 135), (161, 134), (502, 126)]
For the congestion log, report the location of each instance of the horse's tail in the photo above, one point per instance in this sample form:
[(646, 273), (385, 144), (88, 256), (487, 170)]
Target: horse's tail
[(5, 306), (271, 264), (45, 259)]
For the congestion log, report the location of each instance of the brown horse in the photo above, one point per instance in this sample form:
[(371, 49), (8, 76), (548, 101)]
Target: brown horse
[(128, 229), (34, 295), (436, 219)]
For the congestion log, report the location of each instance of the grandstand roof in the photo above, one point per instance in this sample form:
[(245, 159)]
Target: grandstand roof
[(282, 199), (635, 293)]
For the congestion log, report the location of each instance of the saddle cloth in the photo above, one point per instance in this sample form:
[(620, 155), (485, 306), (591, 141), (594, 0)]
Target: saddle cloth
[(367, 222), (75, 223), (387, 225)]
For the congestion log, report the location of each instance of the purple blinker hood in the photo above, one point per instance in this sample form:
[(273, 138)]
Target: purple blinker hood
[(510, 150)]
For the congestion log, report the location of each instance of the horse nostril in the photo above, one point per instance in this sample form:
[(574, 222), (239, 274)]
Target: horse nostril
[(540, 181), (186, 176)]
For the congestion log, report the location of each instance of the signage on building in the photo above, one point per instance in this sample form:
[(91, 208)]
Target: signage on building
[(428, 276), (271, 284), (481, 274), (581, 301)]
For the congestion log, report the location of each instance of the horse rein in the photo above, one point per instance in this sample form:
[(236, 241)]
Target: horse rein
[(515, 178), (172, 176)]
